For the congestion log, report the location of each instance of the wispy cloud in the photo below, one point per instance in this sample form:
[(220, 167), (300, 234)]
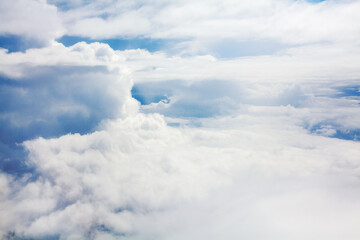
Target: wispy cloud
[(208, 23)]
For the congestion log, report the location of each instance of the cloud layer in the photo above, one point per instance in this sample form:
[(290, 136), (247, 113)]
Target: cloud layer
[(266, 26), (304, 22), (264, 163), (247, 123), (139, 178)]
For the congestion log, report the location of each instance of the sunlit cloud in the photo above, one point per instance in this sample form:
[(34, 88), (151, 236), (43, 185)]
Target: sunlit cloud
[(179, 119)]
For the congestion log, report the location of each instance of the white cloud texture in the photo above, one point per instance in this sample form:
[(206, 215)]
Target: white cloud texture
[(200, 26), (259, 151), (34, 19), (137, 178), (259, 173), (326, 62), (289, 22)]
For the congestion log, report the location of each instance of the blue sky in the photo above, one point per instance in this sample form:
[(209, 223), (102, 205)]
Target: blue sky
[(179, 120), (15, 43)]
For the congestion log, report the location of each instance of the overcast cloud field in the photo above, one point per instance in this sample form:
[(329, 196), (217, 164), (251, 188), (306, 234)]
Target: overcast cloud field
[(180, 120)]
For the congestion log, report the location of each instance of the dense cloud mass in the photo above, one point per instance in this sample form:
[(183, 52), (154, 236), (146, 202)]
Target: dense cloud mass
[(58, 95), (244, 124), (137, 178)]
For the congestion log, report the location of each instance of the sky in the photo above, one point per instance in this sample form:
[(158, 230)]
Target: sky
[(172, 120)]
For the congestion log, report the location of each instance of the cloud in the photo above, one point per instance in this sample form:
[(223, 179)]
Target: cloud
[(298, 64), (58, 90), (268, 25), (33, 19), (253, 167), (16, 64), (137, 177), (325, 110), (277, 22), (333, 62), (65, 90)]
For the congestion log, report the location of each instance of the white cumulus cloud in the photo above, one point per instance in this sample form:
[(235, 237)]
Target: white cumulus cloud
[(136, 177), (34, 19)]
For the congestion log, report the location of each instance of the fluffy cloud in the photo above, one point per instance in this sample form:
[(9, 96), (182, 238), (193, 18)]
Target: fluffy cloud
[(32, 19), (136, 177), (259, 164), (65, 80), (53, 91), (58, 89), (17, 64)]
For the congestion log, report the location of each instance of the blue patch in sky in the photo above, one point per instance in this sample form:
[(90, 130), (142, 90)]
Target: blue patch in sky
[(338, 132), (146, 97), (63, 6), (15, 43), (151, 45), (69, 5), (353, 135), (348, 91)]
